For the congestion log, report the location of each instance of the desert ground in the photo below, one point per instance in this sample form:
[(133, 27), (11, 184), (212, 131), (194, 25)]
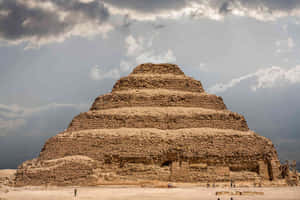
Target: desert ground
[(138, 193), (144, 192)]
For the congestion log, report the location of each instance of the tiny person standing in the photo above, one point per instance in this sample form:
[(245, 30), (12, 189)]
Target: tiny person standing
[(75, 192)]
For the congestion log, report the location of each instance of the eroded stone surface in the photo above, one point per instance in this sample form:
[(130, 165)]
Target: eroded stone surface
[(157, 117), (154, 97), (156, 124)]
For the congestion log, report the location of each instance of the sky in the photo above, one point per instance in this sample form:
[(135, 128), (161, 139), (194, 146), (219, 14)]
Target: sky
[(57, 56)]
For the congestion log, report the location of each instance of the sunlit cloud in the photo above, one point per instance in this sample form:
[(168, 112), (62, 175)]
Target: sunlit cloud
[(264, 78)]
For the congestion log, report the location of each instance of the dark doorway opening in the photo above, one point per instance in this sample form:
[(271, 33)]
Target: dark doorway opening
[(166, 163), (270, 170)]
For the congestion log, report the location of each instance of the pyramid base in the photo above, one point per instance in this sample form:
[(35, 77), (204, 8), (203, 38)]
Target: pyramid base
[(121, 155)]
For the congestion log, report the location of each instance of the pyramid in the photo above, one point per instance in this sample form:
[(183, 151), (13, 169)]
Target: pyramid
[(157, 124)]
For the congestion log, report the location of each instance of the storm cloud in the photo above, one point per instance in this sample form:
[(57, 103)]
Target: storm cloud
[(213, 9), (43, 21)]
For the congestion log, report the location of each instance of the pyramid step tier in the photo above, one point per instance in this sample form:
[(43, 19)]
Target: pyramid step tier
[(164, 68), (158, 81), (138, 142), (202, 152), (68, 170), (185, 155), (158, 97), (158, 117)]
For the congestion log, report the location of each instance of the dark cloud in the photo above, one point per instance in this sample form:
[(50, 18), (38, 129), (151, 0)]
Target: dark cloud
[(275, 5), (259, 9), (148, 6), (31, 20), (23, 20), (224, 8), (272, 8), (93, 10)]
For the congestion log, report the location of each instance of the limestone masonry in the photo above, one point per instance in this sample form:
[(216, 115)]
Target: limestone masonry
[(156, 125)]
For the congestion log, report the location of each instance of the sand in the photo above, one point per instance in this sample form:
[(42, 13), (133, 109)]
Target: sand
[(137, 193)]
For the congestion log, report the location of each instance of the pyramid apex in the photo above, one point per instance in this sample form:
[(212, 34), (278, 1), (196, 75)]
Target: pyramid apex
[(162, 68)]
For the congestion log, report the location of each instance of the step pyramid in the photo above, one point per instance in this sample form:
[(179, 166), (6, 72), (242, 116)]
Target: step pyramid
[(157, 124)]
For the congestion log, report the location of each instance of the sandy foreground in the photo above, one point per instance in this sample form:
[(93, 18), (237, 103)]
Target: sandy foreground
[(138, 193), (182, 192)]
